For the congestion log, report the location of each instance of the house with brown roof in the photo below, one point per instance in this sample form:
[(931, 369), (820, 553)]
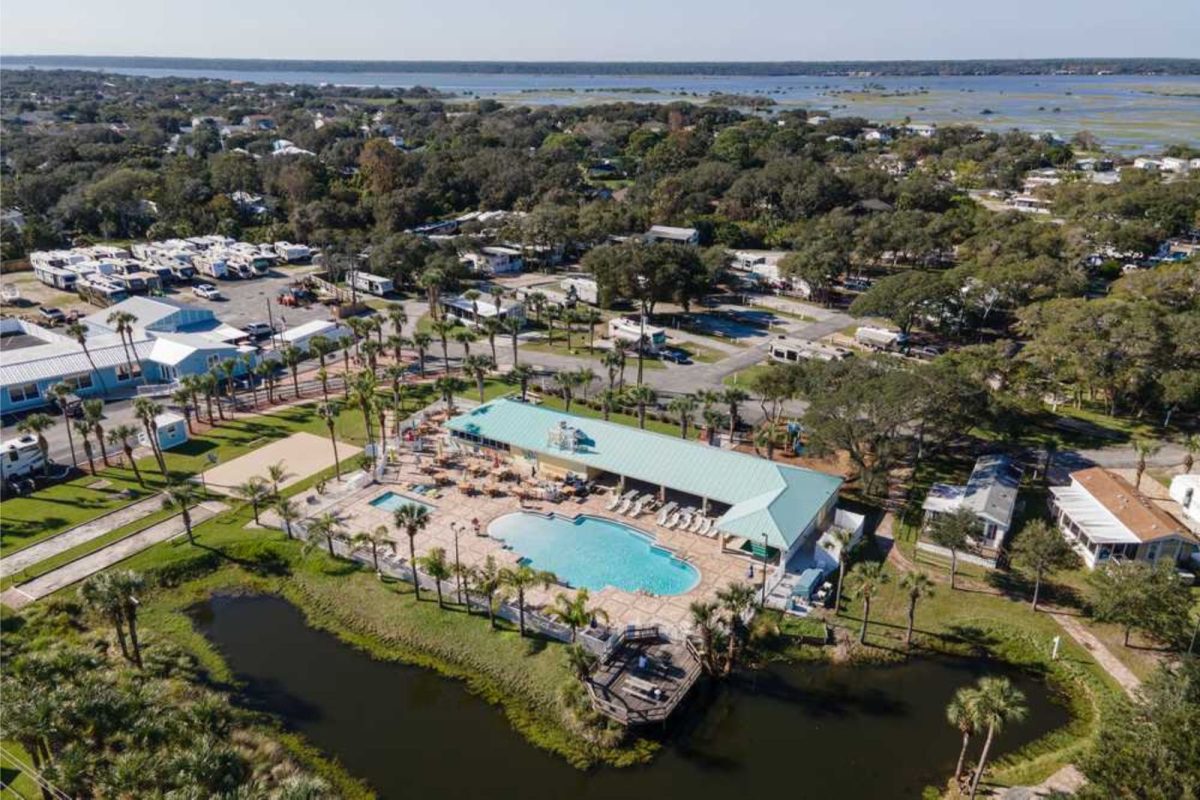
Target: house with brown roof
[(1105, 517)]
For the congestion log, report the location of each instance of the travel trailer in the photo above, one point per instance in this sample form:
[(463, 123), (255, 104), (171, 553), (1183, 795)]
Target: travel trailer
[(624, 329), (372, 284), (880, 338), (20, 457)]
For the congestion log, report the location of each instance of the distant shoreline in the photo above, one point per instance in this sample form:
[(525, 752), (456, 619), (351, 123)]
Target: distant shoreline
[(866, 69)]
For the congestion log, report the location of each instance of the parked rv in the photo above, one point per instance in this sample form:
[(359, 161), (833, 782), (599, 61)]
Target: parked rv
[(790, 351), (20, 457), (880, 338), (372, 284)]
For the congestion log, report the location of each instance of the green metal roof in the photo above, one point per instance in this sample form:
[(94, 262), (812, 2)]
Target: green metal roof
[(764, 497)]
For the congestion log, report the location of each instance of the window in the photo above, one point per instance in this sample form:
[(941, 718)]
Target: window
[(127, 372), (212, 362), (81, 380), (23, 392)]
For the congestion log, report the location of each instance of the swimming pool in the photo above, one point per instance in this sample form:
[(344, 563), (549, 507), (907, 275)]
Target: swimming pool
[(592, 553), (390, 501)]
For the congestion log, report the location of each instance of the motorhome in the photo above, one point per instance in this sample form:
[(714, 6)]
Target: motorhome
[(794, 350), (372, 284), (58, 277), (624, 329), (880, 338), (100, 291), (211, 265), (20, 457)]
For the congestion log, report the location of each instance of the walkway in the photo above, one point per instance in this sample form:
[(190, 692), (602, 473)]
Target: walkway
[(73, 537), (1104, 657), (18, 597)]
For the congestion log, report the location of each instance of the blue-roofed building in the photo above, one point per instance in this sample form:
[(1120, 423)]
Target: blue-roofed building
[(755, 498)]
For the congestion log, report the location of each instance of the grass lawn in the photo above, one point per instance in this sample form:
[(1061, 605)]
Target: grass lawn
[(745, 377), (786, 314), (15, 785)]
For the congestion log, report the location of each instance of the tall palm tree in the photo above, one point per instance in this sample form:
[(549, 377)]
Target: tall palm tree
[(120, 435), (443, 328), (126, 584), (292, 356), (491, 327), (567, 381), (486, 580), (122, 323), (522, 374), (362, 394), (412, 519), (464, 336), (704, 623), (845, 543), (735, 601), (60, 393), (553, 313), (207, 383), (733, 397), (1191, 446), (265, 370), (397, 316), (497, 293), (372, 539), (614, 362), (254, 491), (714, 420), (289, 514), (371, 349), (228, 367), (147, 411), (83, 429), (962, 713), (537, 301), (591, 317), (916, 585), (574, 612), (93, 415), (869, 577), (421, 341), (609, 400), (1145, 448), (998, 703), (328, 412), (521, 578), (396, 343), (435, 565), (513, 326), (478, 367), (277, 473), (431, 281), (182, 397), (98, 593), (587, 376), (182, 495), (79, 332), (447, 386), (328, 526), (37, 425), (641, 396), (683, 407)]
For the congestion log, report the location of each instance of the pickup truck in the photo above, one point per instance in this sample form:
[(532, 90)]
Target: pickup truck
[(52, 315)]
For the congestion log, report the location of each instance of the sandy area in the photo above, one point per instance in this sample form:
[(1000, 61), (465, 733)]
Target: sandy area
[(302, 454)]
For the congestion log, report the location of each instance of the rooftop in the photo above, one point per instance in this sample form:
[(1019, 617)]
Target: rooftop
[(1112, 510), (764, 497), (154, 313), (991, 491)]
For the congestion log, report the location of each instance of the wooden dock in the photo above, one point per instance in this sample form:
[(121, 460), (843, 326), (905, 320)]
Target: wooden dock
[(643, 677)]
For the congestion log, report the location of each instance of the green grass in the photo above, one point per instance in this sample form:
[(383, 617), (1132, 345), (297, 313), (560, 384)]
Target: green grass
[(787, 314), (16, 785), (745, 377)]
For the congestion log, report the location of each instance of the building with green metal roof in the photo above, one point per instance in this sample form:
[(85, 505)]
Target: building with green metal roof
[(762, 498)]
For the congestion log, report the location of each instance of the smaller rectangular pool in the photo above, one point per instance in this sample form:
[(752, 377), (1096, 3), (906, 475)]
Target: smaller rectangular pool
[(390, 501)]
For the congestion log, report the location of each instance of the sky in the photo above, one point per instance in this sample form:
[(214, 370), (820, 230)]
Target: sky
[(604, 30)]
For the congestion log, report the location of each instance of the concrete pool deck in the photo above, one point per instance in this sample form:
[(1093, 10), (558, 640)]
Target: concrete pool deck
[(454, 507)]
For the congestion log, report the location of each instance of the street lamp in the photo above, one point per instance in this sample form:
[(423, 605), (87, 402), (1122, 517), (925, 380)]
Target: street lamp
[(641, 282), (457, 564), (763, 602)]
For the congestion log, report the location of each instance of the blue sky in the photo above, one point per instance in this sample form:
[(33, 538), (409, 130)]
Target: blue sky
[(604, 30)]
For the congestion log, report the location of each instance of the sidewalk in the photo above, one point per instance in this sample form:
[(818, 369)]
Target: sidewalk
[(1104, 657), (19, 597)]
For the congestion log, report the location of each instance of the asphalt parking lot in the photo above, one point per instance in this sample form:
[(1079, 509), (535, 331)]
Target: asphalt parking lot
[(246, 301)]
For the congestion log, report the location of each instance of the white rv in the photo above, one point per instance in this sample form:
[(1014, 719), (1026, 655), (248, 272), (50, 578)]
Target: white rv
[(292, 253), (372, 284), (212, 265), (624, 329), (20, 457), (789, 351), (880, 338)]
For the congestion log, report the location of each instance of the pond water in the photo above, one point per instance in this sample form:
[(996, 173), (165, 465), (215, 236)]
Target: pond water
[(808, 730), (592, 553)]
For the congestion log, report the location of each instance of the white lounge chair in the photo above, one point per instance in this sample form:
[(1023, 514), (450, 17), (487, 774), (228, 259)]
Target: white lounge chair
[(665, 512), (696, 523), (706, 528), (640, 504), (626, 504), (685, 519), (618, 499)]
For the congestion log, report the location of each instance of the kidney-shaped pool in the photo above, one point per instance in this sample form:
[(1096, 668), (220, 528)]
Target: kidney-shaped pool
[(592, 553)]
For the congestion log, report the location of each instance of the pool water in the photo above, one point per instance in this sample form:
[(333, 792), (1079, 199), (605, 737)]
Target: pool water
[(390, 501), (592, 553)]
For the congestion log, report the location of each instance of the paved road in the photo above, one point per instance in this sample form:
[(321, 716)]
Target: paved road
[(18, 597), (73, 537)]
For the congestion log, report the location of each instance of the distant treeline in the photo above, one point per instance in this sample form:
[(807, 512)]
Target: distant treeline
[(1122, 66)]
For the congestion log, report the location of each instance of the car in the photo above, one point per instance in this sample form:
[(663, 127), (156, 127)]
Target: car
[(674, 355), (258, 330), (54, 316), (207, 291)]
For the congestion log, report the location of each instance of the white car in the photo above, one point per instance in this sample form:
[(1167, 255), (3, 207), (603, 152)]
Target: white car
[(207, 291)]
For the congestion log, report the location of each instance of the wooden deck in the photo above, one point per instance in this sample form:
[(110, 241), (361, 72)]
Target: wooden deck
[(643, 679)]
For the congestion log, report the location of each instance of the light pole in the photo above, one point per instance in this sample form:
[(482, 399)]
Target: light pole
[(763, 601), (458, 566), (641, 281)]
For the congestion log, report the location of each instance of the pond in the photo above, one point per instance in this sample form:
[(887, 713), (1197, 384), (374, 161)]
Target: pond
[(592, 553), (808, 730)]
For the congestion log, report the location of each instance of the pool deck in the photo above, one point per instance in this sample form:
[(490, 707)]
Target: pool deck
[(455, 507)]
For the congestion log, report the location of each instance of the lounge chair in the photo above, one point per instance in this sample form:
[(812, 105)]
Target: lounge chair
[(684, 519), (696, 523), (618, 499), (665, 512), (642, 502), (626, 503), (706, 528)]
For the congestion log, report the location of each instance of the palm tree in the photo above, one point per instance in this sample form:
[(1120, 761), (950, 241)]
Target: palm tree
[(575, 612), (247, 361), (641, 396), (79, 332), (735, 600), (328, 412), (580, 662), (519, 579), (491, 327), (147, 411), (714, 420), (591, 317), (93, 415), (362, 394), (513, 326), (609, 399), (266, 371), (207, 383), (552, 313), (254, 491), (227, 367), (537, 301), (1191, 446), (431, 281), (412, 519), (181, 397), (869, 577), (683, 407), (99, 594), (465, 336), (125, 585), (567, 381), (182, 495), (733, 397), (497, 293), (372, 349), (60, 393), (398, 317), (846, 544), (704, 621), (998, 703), (486, 579), (328, 526), (81, 427), (473, 296), (397, 342), (1145, 448), (962, 713), (916, 585), (277, 473), (122, 322), (372, 539), (443, 328), (289, 514), (120, 435), (447, 386), (435, 565), (614, 362), (37, 425), (421, 340), (522, 374), (478, 368), (587, 376), (953, 531), (292, 357)]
